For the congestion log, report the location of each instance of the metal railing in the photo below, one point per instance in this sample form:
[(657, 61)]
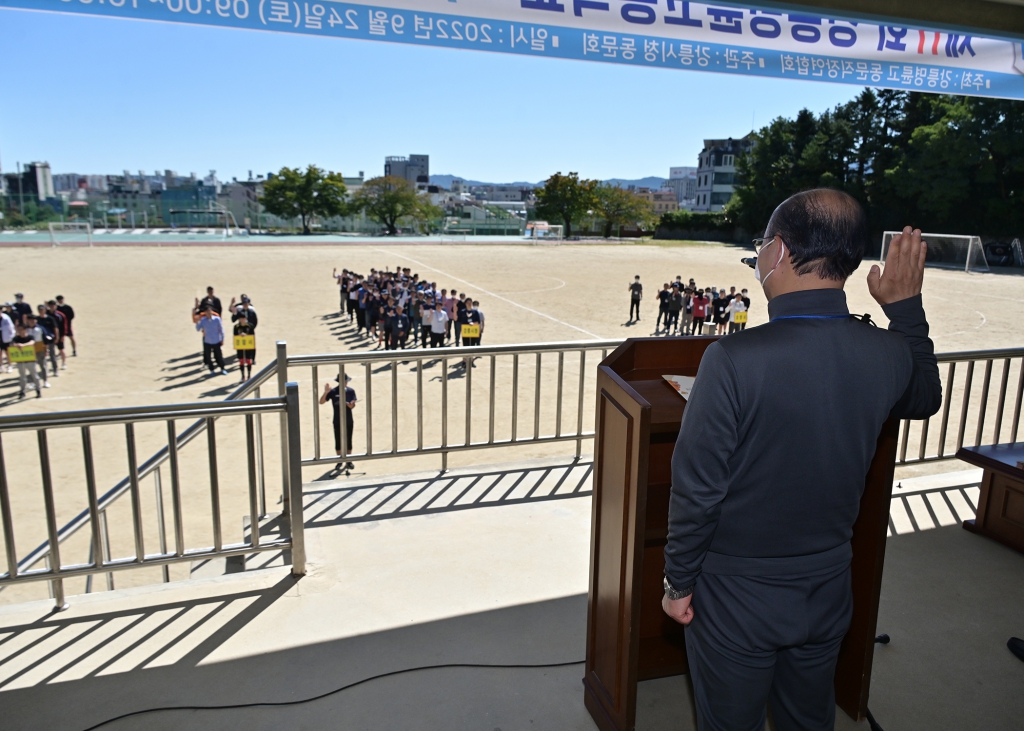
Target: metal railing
[(543, 405), (100, 560), (525, 395), (925, 441)]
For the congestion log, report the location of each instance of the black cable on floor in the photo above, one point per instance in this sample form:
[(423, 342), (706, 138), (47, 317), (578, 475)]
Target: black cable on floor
[(270, 704), (872, 723)]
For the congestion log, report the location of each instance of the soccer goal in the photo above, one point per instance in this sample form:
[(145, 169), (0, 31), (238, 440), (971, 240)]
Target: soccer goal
[(70, 232), (948, 250), (544, 232)]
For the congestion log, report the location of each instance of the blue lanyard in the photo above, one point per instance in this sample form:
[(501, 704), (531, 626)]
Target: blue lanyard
[(811, 317)]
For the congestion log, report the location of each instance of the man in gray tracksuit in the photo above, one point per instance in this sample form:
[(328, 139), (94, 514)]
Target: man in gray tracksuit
[(771, 460)]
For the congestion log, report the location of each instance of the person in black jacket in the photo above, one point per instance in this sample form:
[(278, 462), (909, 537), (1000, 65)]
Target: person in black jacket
[(69, 315), (771, 461), (399, 332)]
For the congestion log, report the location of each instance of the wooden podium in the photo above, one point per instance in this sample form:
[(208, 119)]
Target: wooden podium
[(629, 638)]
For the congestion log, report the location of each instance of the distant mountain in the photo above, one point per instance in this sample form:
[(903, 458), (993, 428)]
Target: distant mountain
[(650, 182), (445, 181)]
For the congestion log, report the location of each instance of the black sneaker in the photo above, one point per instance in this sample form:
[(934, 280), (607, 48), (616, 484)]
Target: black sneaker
[(39, 394), (21, 394), (350, 466)]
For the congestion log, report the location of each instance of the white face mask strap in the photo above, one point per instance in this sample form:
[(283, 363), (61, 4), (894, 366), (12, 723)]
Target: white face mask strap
[(757, 272)]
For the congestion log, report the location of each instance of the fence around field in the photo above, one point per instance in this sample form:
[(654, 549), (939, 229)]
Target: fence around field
[(409, 403)]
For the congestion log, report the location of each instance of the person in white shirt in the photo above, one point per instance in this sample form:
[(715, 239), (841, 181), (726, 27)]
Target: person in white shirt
[(438, 325), (476, 308), (6, 336), (426, 313), (735, 307), (35, 332)]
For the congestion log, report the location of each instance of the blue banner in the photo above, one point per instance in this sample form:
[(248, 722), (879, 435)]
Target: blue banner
[(661, 33)]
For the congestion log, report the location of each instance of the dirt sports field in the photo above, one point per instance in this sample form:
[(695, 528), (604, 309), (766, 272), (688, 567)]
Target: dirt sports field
[(132, 304), (137, 344)]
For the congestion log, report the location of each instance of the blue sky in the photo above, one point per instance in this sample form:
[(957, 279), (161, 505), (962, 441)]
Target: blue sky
[(101, 95)]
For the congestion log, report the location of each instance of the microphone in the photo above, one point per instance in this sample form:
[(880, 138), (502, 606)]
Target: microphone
[(749, 261)]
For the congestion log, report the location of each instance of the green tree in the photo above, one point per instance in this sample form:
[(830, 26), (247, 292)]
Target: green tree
[(313, 193), (618, 206), (389, 199), (566, 197)]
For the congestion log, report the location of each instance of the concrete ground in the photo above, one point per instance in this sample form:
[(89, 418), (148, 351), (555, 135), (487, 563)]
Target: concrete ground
[(481, 567)]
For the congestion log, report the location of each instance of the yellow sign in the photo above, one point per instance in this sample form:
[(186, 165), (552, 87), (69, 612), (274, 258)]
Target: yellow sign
[(245, 342), (22, 353), (470, 331), (739, 317)]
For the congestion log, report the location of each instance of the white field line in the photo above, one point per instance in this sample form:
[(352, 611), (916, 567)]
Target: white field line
[(491, 294)]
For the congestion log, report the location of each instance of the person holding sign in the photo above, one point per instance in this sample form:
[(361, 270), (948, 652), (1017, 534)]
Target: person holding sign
[(34, 331), (22, 352), (470, 327), (334, 396), (245, 345), (737, 312)]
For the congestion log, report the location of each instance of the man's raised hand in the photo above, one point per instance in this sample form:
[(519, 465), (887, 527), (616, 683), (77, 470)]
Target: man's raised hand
[(904, 269)]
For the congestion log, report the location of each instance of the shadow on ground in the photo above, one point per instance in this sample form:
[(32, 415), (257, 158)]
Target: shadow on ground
[(173, 672), (340, 504)]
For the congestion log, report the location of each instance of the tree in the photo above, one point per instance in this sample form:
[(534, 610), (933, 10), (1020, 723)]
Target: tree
[(618, 206), (389, 199), (565, 197), (296, 194)]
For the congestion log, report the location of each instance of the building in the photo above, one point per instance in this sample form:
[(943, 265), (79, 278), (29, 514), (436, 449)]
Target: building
[(683, 182), (484, 219), (716, 172), (191, 205), (35, 181), (415, 169), (500, 193), (662, 201)]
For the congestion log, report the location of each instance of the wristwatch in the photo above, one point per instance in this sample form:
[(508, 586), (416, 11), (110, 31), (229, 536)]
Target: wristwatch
[(672, 594)]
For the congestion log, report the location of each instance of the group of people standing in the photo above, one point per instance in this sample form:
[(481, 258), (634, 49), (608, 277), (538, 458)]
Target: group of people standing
[(399, 310), (28, 339), (207, 314), (685, 308)]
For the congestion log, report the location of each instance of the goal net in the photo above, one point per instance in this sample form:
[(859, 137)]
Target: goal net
[(948, 250), (70, 232), (544, 232)]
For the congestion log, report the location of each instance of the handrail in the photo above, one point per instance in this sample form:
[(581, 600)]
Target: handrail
[(271, 369), (144, 469), (449, 352), (56, 571), (98, 417), (990, 354)]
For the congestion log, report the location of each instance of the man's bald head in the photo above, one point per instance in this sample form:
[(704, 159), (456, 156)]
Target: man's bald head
[(825, 231)]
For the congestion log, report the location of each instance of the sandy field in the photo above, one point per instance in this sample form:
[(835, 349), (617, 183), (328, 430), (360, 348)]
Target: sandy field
[(133, 325), (137, 345)]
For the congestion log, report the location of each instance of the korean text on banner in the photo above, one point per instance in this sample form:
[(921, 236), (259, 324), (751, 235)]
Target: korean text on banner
[(661, 33)]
